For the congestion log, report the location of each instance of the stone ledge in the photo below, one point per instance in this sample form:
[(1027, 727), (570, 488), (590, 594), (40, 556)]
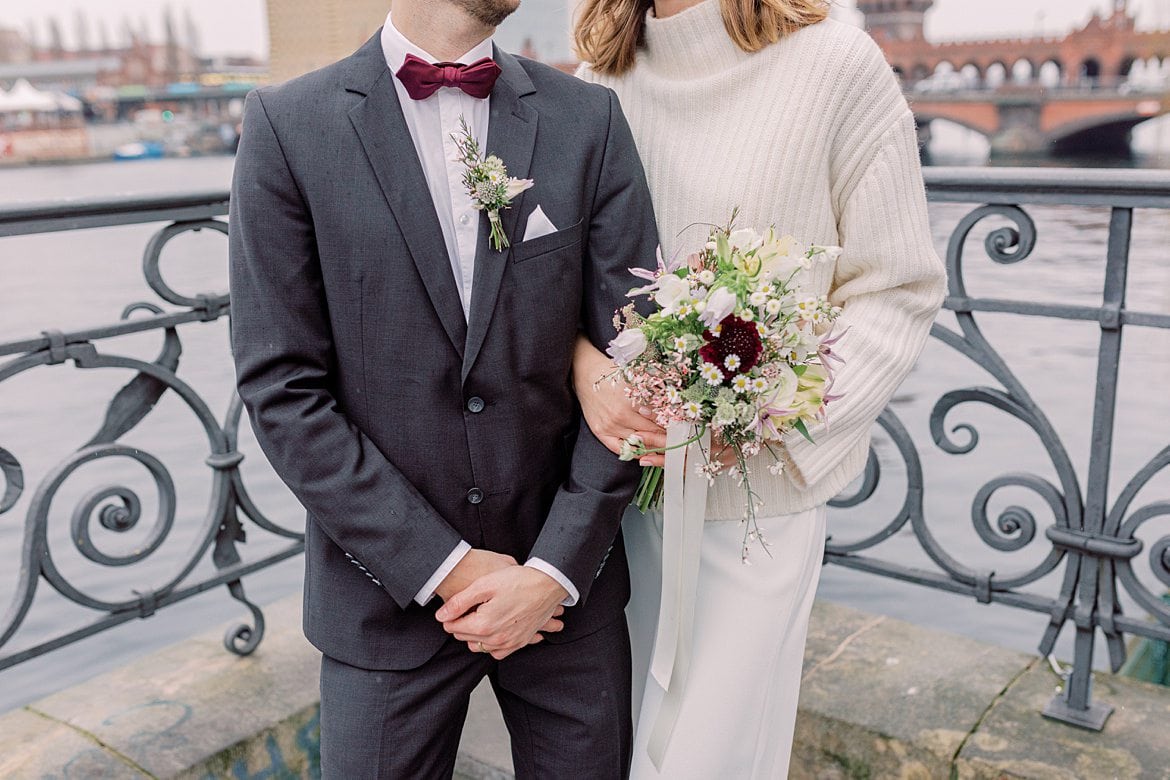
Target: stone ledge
[(189, 710), (881, 698)]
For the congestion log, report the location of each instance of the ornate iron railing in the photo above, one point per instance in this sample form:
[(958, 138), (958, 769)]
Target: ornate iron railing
[(1096, 543), (118, 508)]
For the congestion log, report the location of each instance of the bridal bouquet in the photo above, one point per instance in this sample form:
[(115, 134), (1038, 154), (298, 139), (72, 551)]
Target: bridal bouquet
[(736, 348)]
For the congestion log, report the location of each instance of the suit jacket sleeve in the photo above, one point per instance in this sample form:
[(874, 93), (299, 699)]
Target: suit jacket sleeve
[(587, 511), (284, 353)]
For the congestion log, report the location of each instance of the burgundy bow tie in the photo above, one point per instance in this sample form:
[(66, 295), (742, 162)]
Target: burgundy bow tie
[(422, 79)]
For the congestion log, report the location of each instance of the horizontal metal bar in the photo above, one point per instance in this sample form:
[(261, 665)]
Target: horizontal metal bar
[(938, 581), (1053, 186), (123, 328), (82, 213), (1054, 311), (222, 577), (1145, 319), (1067, 186), (1142, 628)]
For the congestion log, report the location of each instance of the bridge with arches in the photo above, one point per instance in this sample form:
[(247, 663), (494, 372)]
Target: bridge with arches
[(1082, 92)]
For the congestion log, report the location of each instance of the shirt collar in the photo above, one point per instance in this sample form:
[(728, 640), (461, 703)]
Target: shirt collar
[(395, 47)]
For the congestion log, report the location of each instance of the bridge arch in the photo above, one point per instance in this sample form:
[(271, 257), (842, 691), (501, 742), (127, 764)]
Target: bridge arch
[(1109, 132), (1090, 71), (996, 75), (1023, 71), (972, 75), (1050, 74)]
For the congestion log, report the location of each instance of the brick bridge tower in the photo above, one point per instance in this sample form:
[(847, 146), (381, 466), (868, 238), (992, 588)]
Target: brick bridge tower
[(895, 20)]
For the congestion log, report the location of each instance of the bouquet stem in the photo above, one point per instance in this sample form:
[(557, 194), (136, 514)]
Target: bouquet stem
[(649, 495)]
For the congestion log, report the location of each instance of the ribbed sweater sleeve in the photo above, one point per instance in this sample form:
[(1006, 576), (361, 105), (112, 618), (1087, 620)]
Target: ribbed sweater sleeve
[(890, 283)]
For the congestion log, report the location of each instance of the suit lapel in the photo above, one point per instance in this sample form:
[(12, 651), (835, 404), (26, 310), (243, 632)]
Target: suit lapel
[(512, 138), (386, 139)]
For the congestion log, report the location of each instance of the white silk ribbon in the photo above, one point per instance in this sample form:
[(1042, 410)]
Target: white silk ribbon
[(684, 510)]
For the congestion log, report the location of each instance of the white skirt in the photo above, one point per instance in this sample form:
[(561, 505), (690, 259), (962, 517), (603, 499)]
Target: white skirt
[(751, 621)]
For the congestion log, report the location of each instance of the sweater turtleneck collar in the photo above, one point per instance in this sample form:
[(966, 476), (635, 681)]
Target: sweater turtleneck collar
[(690, 43)]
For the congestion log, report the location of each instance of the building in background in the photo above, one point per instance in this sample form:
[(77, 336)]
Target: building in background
[(96, 62), (123, 91), (305, 35), (14, 47), (308, 34)]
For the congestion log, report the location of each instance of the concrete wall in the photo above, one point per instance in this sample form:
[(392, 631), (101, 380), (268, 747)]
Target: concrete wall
[(881, 698)]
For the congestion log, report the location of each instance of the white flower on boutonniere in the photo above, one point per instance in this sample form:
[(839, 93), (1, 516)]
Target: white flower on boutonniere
[(487, 182)]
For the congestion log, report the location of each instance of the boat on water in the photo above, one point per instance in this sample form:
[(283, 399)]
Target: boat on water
[(140, 150)]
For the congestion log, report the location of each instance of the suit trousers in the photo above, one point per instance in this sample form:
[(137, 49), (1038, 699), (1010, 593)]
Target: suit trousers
[(566, 706)]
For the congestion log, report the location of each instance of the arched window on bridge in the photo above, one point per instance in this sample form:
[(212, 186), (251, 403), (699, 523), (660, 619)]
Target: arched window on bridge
[(1147, 76), (996, 75), (1022, 72), (971, 75), (1133, 73), (944, 79), (1090, 73), (1130, 66), (1050, 75)]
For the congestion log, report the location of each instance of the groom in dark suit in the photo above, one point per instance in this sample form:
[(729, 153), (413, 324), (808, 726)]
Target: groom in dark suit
[(410, 383)]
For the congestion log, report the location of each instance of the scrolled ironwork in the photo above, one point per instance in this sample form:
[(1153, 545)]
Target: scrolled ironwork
[(123, 516), (243, 639), (1160, 560), (13, 480), (152, 270), (118, 509), (1095, 547), (1015, 528), (1099, 549)]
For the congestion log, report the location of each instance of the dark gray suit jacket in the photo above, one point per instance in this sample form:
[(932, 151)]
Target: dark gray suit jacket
[(401, 426)]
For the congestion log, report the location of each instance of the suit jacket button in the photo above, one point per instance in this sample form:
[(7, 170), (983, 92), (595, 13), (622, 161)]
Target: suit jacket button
[(474, 496), (475, 404)]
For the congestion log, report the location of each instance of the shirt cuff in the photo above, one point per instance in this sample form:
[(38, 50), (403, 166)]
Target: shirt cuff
[(428, 591), (562, 580)]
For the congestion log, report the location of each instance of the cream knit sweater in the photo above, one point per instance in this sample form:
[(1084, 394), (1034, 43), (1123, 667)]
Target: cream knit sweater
[(811, 135)]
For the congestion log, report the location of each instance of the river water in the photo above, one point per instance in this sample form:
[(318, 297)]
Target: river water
[(76, 279)]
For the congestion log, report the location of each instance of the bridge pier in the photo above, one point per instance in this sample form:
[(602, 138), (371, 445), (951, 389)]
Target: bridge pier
[(1019, 132)]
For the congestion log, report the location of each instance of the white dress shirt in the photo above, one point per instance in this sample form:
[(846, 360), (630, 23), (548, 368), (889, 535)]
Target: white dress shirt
[(432, 122)]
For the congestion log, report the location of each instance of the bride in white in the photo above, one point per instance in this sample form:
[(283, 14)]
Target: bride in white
[(796, 120)]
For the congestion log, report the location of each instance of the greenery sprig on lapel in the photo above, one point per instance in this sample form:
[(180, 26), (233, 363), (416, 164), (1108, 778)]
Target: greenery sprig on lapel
[(487, 182)]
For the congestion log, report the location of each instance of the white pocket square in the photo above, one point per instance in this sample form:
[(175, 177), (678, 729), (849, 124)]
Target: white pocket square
[(538, 225)]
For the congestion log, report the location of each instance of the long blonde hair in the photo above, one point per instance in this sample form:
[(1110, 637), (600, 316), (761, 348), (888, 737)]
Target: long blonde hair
[(608, 32)]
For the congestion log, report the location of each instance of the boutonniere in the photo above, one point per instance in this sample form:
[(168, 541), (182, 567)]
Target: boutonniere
[(487, 182)]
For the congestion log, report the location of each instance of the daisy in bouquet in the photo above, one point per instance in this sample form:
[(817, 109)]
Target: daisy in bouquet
[(736, 348)]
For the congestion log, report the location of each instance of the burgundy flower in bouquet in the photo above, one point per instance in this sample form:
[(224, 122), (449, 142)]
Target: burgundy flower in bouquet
[(735, 350)]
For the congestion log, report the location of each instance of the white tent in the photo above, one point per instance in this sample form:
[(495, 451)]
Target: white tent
[(68, 103), (26, 97)]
